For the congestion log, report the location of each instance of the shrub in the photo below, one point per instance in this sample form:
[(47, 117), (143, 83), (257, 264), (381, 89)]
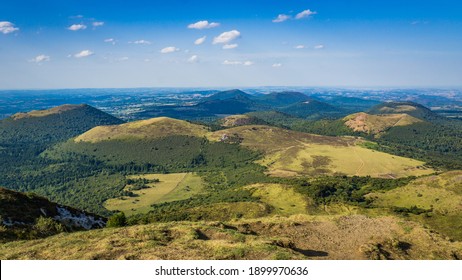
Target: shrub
[(46, 226), (117, 220)]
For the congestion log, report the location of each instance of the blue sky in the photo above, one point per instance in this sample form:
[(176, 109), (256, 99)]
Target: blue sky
[(355, 43)]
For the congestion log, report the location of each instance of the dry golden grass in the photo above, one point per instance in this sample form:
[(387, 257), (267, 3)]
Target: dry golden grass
[(376, 124), (397, 109), (145, 129), (295, 237), (290, 153), (43, 113), (235, 120)]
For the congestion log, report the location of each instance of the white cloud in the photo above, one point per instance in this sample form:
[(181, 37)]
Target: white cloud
[(277, 65), (169, 50), (140, 42), (77, 16), (98, 23), (230, 46), (203, 24), (231, 62), (7, 27), (226, 37), (299, 47), (193, 59), (83, 53), (304, 14), (76, 27), (40, 58), (110, 40), (237, 62), (281, 18), (319, 47), (200, 40)]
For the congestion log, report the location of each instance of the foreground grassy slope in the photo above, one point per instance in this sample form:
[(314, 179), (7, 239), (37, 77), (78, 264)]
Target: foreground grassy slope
[(290, 153), (438, 197), (296, 237)]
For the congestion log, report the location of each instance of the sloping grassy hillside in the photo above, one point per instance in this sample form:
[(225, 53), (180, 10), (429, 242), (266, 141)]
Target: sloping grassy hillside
[(283, 199), (376, 124), (145, 129), (296, 237), (435, 201), (290, 153)]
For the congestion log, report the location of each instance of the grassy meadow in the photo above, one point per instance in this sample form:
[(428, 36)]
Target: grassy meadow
[(171, 187)]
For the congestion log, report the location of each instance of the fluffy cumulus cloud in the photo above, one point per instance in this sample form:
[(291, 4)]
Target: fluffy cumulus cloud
[(141, 42), (230, 46), (193, 59), (98, 23), (319, 47), (281, 18), (40, 58), (200, 41), (169, 50), (237, 62), (277, 65), (76, 27), (226, 37), (7, 27), (203, 24), (299, 47), (83, 53), (304, 14)]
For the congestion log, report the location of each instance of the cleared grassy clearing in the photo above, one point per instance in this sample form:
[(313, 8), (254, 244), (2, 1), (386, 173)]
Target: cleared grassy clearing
[(283, 199), (172, 187)]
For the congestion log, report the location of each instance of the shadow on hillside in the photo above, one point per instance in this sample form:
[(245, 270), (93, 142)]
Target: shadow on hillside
[(311, 253)]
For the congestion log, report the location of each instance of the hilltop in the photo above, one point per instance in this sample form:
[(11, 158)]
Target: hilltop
[(229, 94), (312, 109), (377, 124), (145, 129), (281, 99), (52, 125), (406, 107)]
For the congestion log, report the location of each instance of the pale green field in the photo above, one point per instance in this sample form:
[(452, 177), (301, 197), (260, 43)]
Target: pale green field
[(172, 187), (290, 153), (317, 159), (441, 195), (284, 199)]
